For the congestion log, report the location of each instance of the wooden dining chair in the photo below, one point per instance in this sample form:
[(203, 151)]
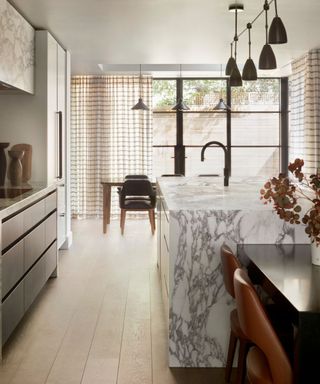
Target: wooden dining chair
[(137, 195), (267, 361), (229, 264)]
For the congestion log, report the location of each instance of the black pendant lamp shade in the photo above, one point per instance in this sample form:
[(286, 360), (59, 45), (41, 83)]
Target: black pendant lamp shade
[(277, 31), (231, 63), (181, 105), (221, 106), (140, 106), (235, 76), (249, 72), (267, 58)]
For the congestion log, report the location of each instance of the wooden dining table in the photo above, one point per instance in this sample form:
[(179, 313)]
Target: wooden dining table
[(107, 185), (286, 274)]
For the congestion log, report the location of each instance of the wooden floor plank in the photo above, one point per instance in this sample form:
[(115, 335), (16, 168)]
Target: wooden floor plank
[(101, 320)]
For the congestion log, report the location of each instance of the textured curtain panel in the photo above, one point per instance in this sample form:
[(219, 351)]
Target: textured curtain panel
[(305, 110), (108, 139)]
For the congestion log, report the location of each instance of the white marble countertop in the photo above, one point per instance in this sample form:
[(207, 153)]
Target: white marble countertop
[(8, 206), (206, 193)]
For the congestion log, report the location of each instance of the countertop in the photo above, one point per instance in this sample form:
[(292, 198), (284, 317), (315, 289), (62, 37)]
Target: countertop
[(11, 205), (206, 193)]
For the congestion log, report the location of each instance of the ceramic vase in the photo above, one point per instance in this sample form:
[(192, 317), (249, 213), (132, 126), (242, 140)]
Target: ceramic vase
[(15, 167), (315, 254), (3, 163)]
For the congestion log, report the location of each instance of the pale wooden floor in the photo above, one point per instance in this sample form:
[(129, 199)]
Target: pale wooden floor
[(101, 320)]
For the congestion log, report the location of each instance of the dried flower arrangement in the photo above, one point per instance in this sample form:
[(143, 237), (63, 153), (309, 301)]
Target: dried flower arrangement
[(285, 195)]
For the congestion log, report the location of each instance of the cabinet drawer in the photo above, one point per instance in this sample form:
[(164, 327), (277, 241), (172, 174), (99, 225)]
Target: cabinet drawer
[(12, 229), (12, 312), (51, 229), (34, 245), (33, 282), (50, 260), (33, 214), (12, 267), (51, 203)]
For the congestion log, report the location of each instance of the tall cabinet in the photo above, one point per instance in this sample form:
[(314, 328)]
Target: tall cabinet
[(51, 82), (42, 120)]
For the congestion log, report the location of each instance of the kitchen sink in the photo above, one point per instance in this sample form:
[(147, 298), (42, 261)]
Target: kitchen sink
[(10, 193)]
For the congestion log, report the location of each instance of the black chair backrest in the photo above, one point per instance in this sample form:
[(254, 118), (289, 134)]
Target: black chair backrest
[(128, 177), (172, 175), (137, 187)]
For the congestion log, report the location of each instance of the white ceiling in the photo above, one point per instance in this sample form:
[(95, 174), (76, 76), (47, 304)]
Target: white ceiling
[(166, 31)]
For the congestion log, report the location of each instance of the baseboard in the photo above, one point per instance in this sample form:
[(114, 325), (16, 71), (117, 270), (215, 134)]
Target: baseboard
[(68, 242)]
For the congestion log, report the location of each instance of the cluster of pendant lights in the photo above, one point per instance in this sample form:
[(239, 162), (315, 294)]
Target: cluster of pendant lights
[(180, 106), (275, 35)]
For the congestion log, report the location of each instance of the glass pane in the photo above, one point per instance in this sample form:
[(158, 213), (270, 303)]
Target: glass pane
[(163, 161), (246, 162), (260, 95), (164, 128), (213, 163), (255, 129), (203, 95), (164, 94), (199, 128), (255, 162)]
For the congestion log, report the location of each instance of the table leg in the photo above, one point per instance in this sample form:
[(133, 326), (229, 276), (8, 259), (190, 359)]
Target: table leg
[(106, 206)]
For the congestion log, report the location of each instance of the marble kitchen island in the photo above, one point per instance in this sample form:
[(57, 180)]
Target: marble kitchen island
[(196, 215)]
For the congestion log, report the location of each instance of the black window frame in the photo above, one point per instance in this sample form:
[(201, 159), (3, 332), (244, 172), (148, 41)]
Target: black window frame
[(180, 148)]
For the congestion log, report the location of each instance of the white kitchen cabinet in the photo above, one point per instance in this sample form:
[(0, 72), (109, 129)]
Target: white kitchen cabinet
[(43, 121), (28, 259), (53, 75)]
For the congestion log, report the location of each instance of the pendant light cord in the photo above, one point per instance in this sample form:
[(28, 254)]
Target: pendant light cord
[(249, 26), (255, 19), (236, 34), (140, 88), (266, 9), (276, 7)]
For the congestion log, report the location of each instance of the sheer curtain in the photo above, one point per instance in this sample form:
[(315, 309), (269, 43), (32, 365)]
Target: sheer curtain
[(304, 138), (108, 139)]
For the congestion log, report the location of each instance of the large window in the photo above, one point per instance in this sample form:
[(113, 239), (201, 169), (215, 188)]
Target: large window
[(252, 130)]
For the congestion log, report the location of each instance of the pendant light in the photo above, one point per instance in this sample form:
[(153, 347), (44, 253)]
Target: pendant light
[(249, 72), (277, 31), (267, 58), (235, 76), (140, 104), (221, 106), (231, 63), (180, 106)]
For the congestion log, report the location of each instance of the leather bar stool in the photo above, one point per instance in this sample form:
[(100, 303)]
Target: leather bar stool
[(267, 362), (229, 264)]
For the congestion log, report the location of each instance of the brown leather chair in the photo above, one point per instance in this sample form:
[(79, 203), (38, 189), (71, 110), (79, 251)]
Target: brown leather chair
[(267, 362), (229, 264), (137, 195)]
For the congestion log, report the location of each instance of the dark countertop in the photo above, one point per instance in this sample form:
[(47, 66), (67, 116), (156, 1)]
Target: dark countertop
[(288, 268), (34, 191)]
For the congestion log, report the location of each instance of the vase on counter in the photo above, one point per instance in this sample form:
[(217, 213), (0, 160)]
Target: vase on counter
[(3, 163), (315, 253), (15, 167)]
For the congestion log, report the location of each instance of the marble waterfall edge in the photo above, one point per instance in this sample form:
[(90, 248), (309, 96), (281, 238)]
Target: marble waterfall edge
[(199, 306)]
